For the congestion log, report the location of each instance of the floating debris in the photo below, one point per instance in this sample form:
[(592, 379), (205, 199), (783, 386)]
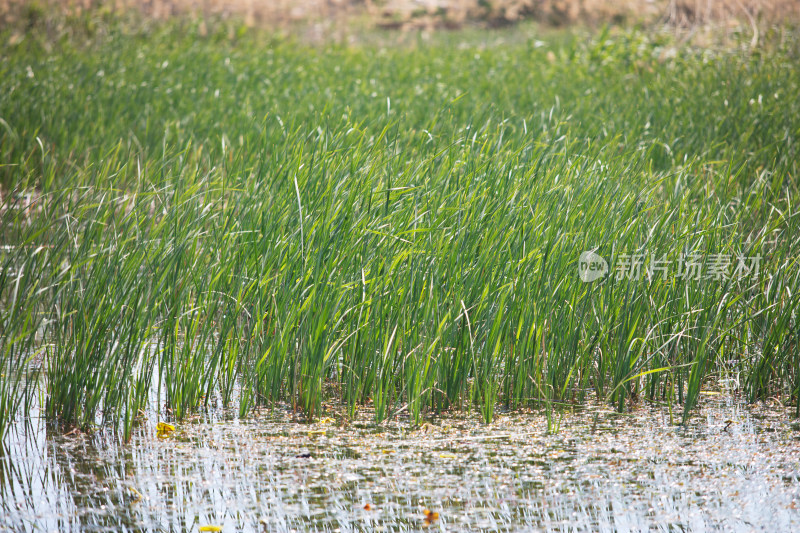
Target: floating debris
[(430, 516), (163, 429)]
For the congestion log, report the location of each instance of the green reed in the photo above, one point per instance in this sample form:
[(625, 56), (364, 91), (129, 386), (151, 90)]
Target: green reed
[(262, 221)]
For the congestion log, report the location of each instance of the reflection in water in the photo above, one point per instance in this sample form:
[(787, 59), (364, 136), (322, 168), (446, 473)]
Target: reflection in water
[(733, 468)]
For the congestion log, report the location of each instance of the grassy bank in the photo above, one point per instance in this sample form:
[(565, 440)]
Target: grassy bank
[(258, 220)]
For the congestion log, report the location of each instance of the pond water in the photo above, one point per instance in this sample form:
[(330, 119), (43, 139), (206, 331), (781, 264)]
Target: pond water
[(731, 468)]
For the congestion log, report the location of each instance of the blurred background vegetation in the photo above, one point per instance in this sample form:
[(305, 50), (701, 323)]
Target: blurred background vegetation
[(332, 16)]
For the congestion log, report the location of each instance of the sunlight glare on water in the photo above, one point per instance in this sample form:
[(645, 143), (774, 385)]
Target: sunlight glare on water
[(732, 468)]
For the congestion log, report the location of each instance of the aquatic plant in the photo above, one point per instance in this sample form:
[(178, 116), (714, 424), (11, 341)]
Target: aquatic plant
[(402, 228)]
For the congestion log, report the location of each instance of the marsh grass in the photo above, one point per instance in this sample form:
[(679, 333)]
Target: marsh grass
[(398, 227)]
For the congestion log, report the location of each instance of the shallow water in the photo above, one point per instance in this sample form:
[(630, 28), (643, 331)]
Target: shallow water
[(732, 468)]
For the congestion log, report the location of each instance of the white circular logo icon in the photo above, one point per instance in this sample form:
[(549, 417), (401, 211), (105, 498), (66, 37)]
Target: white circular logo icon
[(591, 267)]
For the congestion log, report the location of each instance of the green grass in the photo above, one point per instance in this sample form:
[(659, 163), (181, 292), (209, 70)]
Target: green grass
[(256, 220)]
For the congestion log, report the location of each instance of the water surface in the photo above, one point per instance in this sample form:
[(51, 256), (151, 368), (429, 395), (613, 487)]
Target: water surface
[(731, 468)]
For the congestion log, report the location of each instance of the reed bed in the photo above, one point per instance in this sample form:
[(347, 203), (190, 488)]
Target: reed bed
[(253, 220)]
